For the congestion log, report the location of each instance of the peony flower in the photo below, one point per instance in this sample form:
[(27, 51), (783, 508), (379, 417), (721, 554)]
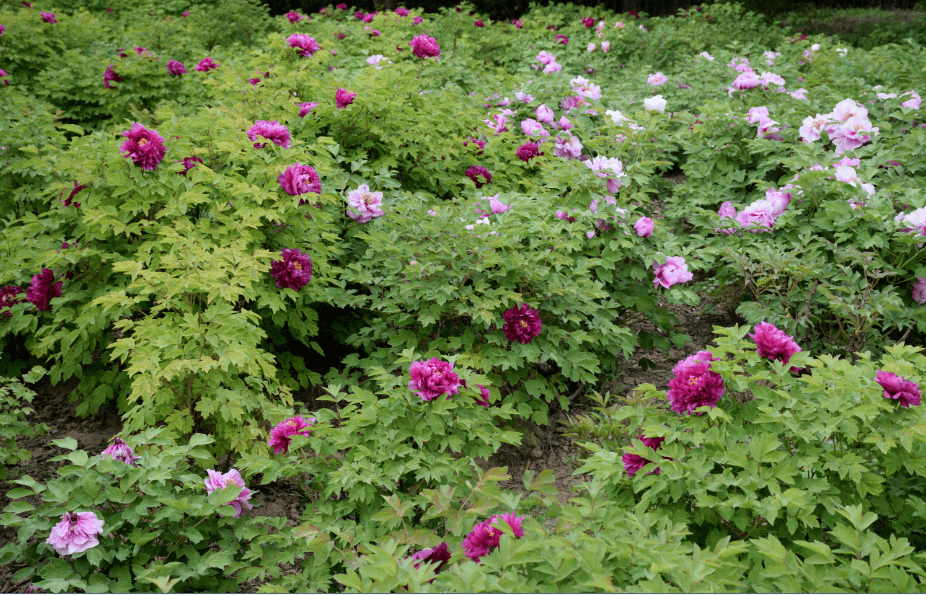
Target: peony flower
[(272, 131), (145, 147), (759, 216), (120, 451), (589, 22), (2, 29), (746, 80), (655, 104), (175, 68), (898, 388), (633, 463), (561, 39), (49, 18), (294, 271), (545, 115), (439, 555), (567, 147), (305, 44), (343, 98), (3, 77), (605, 46), (300, 179), (552, 67), (294, 17), (811, 127), (484, 395), (654, 80), (8, 299), (496, 206), (591, 47), (919, 290), (417, 20), (205, 65), (644, 227), (522, 324), (485, 537), (42, 289), (110, 76), (280, 435), (913, 103), (475, 172), (672, 271), (565, 124), (424, 46), (532, 127), (525, 98), (432, 379), (69, 200), (306, 108), (76, 532), (341, 6), (218, 481), (694, 384), (188, 164), (528, 151), (774, 343), (366, 203), (401, 11), (706, 56)]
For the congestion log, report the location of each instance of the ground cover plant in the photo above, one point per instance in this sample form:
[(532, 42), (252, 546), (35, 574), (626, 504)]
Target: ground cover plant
[(358, 252)]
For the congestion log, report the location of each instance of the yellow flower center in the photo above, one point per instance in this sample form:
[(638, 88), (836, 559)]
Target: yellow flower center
[(367, 198), (297, 266), (142, 142), (523, 324)]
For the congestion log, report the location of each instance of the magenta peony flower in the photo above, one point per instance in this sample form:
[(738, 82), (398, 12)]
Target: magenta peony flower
[(205, 65), (919, 290), (144, 147), (633, 463), (294, 271), (49, 18), (673, 271), (439, 555), (522, 324), (694, 385), (479, 24), (484, 394), (42, 289), (3, 77), (475, 172), (2, 29), (898, 388), (218, 481), (528, 151), (589, 22), (341, 7), (188, 164), (401, 11), (272, 131), (76, 532), (306, 108), (417, 20), (300, 179), (424, 46), (280, 435), (110, 76), (484, 537), (774, 343), (294, 17), (184, 15), (305, 44), (175, 68), (644, 227), (69, 201), (8, 299), (366, 203), (561, 39), (120, 451), (432, 379), (343, 98)]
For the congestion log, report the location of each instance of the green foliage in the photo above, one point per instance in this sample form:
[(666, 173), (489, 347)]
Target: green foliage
[(14, 409)]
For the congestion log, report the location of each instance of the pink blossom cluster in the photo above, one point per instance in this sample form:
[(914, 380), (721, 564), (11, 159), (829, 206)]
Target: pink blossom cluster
[(298, 179), (847, 126), (424, 46), (205, 65), (766, 126), (76, 532), (898, 388), (8, 299), (176, 68), (269, 130), (759, 216), (120, 451), (549, 63), (610, 169)]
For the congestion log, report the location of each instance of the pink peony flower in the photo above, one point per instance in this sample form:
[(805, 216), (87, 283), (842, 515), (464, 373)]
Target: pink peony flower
[(306, 108), (439, 555), (778, 200), (294, 271), (120, 451), (417, 20), (654, 80), (919, 290), (49, 18), (545, 115), (565, 124), (644, 227), (898, 388), (305, 44), (144, 147), (913, 103), (694, 385), (300, 179), (757, 217), (567, 147), (3, 77), (561, 39), (424, 46), (546, 58), (746, 80), (175, 68), (589, 22), (341, 6), (605, 46), (294, 17), (366, 203), (401, 11), (433, 378), (532, 127), (272, 131), (8, 299), (188, 164), (528, 151), (485, 537), (42, 289), (496, 206), (205, 65), (633, 463), (2, 29), (484, 395), (774, 343), (343, 98), (280, 435), (110, 76), (475, 172), (522, 324), (217, 481), (76, 532), (672, 271)]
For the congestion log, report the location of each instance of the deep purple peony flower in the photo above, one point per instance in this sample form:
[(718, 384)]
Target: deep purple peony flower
[(306, 108), (272, 131), (76, 532), (522, 324), (120, 451), (110, 76), (205, 65), (694, 385), (145, 147), (188, 164), (280, 435), (300, 179), (589, 22), (424, 46), (475, 172), (899, 388), (528, 151), (69, 201), (305, 44), (176, 68), (8, 299), (774, 343), (294, 271), (48, 17), (433, 378), (343, 98), (633, 463), (439, 555), (218, 481), (484, 537), (43, 288)]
